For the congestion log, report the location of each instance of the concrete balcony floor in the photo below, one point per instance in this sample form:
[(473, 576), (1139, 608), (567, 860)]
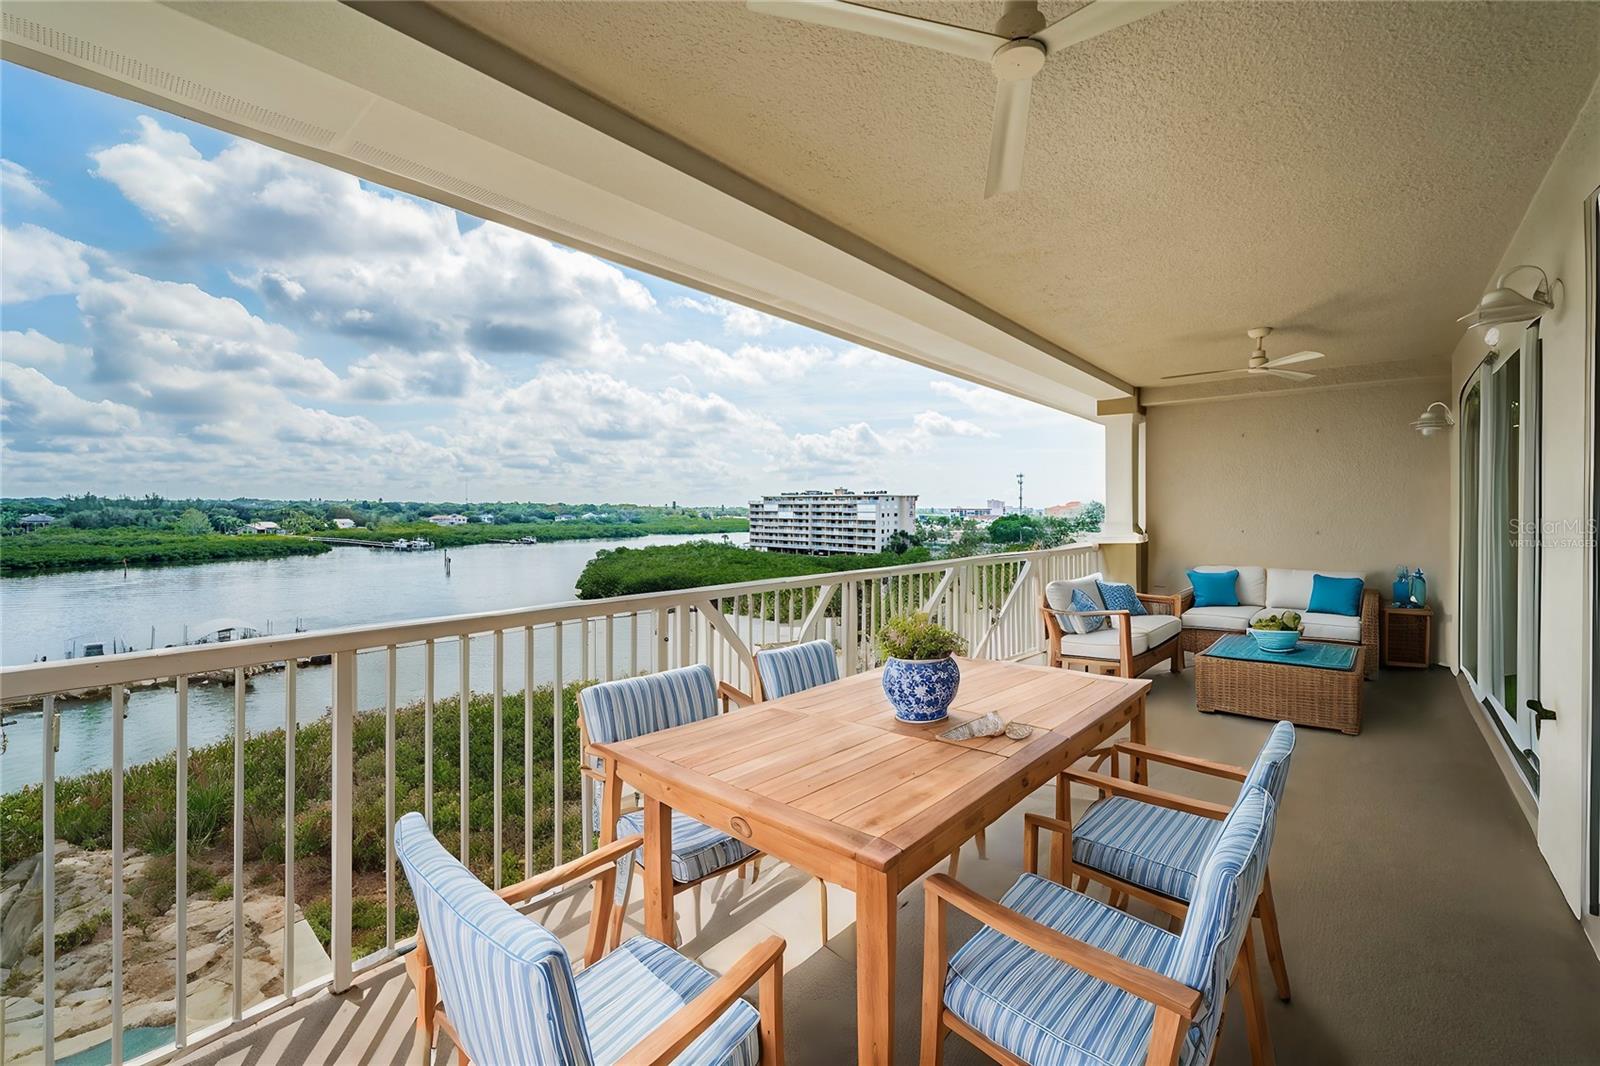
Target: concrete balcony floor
[(1419, 922)]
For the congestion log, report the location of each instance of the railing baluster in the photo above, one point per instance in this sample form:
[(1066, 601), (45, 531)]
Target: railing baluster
[(499, 742), (47, 862), (291, 730), (389, 713), (342, 875), (119, 708), (180, 859), (236, 1000), (633, 645), (465, 698), (558, 704), (527, 755), (427, 733)]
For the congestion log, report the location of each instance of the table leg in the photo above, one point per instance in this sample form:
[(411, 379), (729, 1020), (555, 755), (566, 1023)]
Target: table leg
[(877, 909), (1138, 770), (658, 916)]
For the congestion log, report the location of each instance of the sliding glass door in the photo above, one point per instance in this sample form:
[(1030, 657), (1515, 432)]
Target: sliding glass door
[(1499, 560)]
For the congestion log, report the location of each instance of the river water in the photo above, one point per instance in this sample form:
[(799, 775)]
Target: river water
[(41, 616)]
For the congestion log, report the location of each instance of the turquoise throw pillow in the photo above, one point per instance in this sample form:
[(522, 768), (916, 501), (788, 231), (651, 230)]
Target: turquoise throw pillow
[(1077, 623), (1216, 588), (1335, 595), (1121, 598)]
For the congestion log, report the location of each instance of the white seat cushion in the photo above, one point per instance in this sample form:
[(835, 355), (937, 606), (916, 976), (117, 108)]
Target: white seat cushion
[(1292, 588), (1316, 626), (1232, 619), (1251, 585), (1149, 631)]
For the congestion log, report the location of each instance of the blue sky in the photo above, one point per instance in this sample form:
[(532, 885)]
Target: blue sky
[(187, 313)]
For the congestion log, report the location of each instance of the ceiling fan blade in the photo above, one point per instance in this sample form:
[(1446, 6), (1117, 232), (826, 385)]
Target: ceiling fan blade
[(1009, 141), (1096, 18), (1297, 357), (1292, 375), (890, 25), (1203, 374)]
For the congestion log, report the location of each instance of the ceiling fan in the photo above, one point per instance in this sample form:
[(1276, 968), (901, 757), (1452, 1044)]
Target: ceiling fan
[(1015, 59), (1258, 363)]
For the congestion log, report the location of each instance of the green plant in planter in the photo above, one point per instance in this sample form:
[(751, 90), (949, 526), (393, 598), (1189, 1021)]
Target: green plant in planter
[(916, 636)]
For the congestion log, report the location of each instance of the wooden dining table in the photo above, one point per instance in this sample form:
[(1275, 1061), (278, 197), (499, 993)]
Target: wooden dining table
[(829, 781)]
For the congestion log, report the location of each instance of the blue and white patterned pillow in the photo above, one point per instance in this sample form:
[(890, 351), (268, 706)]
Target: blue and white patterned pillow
[(1078, 623), (1121, 598)]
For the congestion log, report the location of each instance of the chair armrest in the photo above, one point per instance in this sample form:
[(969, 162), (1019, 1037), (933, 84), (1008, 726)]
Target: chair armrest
[(738, 697), (695, 1017), (1116, 786), (1148, 985), (1031, 824), (1185, 599), (593, 863), (1171, 603), (1187, 762)]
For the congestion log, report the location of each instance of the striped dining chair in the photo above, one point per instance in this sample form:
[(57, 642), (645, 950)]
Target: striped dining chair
[(1148, 844), (502, 987), (634, 707), (1057, 978)]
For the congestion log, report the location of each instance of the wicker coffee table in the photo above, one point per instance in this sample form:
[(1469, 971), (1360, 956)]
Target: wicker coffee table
[(1281, 690)]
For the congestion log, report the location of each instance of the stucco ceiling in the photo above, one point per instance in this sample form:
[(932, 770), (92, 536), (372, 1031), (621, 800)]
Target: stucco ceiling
[(1348, 173)]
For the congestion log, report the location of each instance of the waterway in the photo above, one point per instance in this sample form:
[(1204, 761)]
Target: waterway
[(43, 615)]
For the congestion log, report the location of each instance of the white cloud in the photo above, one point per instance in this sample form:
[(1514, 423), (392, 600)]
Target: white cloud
[(326, 250), (19, 188), (750, 364), (36, 410), (736, 318), (32, 348), (398, 375), (935, 424), (35, 262)]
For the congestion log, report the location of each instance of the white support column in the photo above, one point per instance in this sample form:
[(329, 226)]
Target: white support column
[(1124, 475)]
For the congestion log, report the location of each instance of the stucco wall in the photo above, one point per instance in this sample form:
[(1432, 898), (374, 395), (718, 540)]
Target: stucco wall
[(1332, 479), (1551, 236)]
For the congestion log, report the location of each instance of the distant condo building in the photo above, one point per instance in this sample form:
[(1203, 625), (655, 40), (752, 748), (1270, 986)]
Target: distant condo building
[(840, 522)]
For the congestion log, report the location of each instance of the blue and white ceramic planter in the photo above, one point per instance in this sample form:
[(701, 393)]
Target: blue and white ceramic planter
[(921, 690)]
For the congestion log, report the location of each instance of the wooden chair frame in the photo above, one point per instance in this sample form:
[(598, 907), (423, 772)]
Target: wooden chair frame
[(611, 809), (1196, 640), (762, 966), (1065, 871), (1126, 664), (1176, 1004)]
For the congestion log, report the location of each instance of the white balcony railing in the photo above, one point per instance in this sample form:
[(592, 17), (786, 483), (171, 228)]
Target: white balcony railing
[(292, 829)]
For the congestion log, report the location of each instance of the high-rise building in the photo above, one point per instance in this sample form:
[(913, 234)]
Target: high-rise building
[(840, 522), (996, 507)]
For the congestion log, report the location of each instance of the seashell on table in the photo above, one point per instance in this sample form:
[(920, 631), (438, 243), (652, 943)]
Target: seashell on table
[(988, 725)]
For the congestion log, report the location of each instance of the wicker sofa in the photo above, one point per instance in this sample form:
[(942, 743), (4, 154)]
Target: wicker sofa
[(1264, 590)]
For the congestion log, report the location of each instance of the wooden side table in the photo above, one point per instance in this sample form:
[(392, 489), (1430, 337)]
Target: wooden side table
[(1407, 636)]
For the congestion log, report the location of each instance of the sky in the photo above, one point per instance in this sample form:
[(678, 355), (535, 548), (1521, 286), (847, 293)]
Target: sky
[(191, 314)]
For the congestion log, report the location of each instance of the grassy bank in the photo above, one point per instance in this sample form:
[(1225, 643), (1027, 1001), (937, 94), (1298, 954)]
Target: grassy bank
[(83, 809), (666, 567), (94, 549), (479, 533)]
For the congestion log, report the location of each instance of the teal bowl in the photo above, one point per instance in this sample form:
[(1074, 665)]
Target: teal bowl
[(1276, 640)]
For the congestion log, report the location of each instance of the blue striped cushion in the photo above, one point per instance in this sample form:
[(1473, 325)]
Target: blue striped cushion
[(1224, 897), (1149, 846), (1044, 1011), (635, 988), (634, 706), (697, 849), (1271, 769), (785, 671), (1118, 597), (1073, 623), (506, 981)]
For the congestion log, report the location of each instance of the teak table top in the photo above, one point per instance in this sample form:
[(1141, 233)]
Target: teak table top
[(842, 782)]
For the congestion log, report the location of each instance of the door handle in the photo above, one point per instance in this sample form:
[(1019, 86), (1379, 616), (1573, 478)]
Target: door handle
[(1541, 715)]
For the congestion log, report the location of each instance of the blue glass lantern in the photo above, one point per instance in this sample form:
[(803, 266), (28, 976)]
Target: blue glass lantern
[(1402, 586), (1419, 589)]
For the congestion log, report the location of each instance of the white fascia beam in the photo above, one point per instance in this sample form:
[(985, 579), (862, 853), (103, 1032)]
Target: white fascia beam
[(401, 95)]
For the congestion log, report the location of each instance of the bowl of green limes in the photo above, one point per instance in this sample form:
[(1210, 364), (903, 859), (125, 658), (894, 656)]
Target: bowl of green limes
[(1277, 632)]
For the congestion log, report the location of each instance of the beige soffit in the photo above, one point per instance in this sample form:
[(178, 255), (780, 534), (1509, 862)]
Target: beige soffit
[(330, 83), (1346, 172)]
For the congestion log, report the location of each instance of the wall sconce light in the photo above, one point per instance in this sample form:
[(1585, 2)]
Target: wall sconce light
[(1503, 304), (1434, 421)]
